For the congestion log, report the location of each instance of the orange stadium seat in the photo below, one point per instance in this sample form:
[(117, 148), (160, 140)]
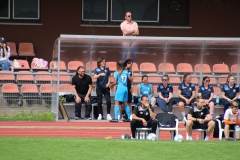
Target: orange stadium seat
[(13, 49), (213, 81), (73, 65), (30, 92), (222, 80), (53, 66), (148, 67), (195, 80), (25, 77), (111, 66), (154, 80), (169, 68), (221, 69), (217, 90), (174, 80), (234, 68), (175, 89), (43, 77), (10, 91), (7, 77), (46, 91), (155, 89), (65, 88), (26, 49), (24, 65), (184, 68), (64, 77), (137, 80), (205, 69), (94, 65), (135, 67)]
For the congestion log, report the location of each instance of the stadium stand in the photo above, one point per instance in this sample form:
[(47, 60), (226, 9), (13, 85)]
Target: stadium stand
[(43, 77), (175, 80), (220, 69), (25, 77), (7, 77), (10, 91), (53, 66), (24, 66), (217, 90), (64, 77), (234, 68), (195, 81), (13, 49), (147, 67), (26, 50), (46, 92), (94, 65), (30, 94), (222, 80), (135, 67), (73, 65)]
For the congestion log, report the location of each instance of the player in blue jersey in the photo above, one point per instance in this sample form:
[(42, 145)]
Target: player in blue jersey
[(230, 92), (146, 88), (102, 74), (206, 92), (186, 93), (121, 95)]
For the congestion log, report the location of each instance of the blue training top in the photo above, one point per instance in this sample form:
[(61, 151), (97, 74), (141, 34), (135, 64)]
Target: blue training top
[(122, 79), (145, 89), (206, 92), (102, 80), (230, 92)]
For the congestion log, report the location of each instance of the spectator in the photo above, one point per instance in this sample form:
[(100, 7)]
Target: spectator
[(143, 116), (232, 119), (82, 88), (146, 88), (129, 28), (186, 93), (121, 94), (206, 91), (102, 74), (165, 91), (4, 54), (230, 92), (199, 118)]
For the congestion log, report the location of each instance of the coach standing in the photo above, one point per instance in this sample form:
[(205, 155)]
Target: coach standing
[(129, 28), (82, 88)]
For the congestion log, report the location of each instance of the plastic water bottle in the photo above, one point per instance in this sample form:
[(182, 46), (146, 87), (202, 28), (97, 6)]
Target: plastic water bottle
[(123, 136), (217, 99), (144, 137), (141, 135), (137, 135), (237, 128), (197, 137)]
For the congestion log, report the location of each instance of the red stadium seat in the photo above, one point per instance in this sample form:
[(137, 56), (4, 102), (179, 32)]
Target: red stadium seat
[(169, 68), (24, 66), (221, 69), (94, 65), (174, 80), (64, 77), (205, 69), (43, 77), (195, 80), (54, 66), (26, 50), (13, 49), (234, 68), (112, 66), (7, 77), (25, 77), (184, 68), (217, 90), (65, 88), (135, 67), (73, 65), (148, 67), (10, 91)]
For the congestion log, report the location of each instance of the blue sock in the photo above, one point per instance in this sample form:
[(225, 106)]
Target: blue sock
[(116, 111), (127, 109)]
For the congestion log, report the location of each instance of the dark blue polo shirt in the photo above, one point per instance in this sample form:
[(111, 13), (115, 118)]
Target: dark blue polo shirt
[(206, 92), (165, 91), (102, 80), (230, 92), (186, 90)]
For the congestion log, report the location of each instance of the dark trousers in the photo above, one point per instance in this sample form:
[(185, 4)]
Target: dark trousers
[(106, 93), (78, 106), (139, 124), (226, 104), (165, 107)]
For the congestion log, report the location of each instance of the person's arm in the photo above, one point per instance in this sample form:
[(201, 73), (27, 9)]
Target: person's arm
[(152, 92), (138, 91), (152, 114), (181, 96), (170, 96), (78, 99), (211, 97), (109, 81), (193, 95), (236, 96), (208, 118), (136, 32), (160, 95), (190, 117), (224, 97)]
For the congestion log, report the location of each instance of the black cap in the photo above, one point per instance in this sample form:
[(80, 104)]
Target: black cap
[(2, 40)]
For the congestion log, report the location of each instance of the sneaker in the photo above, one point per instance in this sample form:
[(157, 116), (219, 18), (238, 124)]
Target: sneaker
[(206, 139), (169, 112), (189, 138), (229, 139), (88, 118), (109, 117), (132, 138), (238, 139), (99, 117), (131, 117), (119, 116), (126, 120), (114, 120), (76, 118)]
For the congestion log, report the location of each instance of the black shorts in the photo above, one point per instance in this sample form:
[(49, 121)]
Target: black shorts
[(192, 101), (197, 125), (129, 96), (231, 126)]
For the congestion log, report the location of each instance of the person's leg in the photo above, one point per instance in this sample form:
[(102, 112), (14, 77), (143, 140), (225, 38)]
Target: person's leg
[(78, 107), (108, 101), (125, 104), (181, 105), (152, 124), (189, 125), (153, 101), (161, 104), (134, 54), (135, 124), (211, 106), (88, 109), (170, 104), (99, 100), (226, 131), (226, 104), (210, 127), (130, 100)]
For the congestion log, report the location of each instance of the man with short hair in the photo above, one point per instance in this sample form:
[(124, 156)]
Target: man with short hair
[(129, 28), (82, 88), (199, 118), (143, 116)]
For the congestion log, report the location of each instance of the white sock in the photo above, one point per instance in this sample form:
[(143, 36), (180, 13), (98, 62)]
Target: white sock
[(189, 137), (183, 114), (100, 115), (206, 137)]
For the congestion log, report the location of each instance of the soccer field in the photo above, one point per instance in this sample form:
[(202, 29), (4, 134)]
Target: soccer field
[(27, 148)]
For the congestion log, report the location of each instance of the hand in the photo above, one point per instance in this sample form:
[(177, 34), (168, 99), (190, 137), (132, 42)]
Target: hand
[(107, 85), (201, 121), (131, 90), (187, 101), (86, 99), (102, 74), (4, 45), (206, 101), (230, 101), (166, 100), (147, 105), (144, 122), (78, 99)]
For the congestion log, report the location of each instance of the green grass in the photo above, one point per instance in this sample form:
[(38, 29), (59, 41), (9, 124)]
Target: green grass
[(29, 116), (114, 149)]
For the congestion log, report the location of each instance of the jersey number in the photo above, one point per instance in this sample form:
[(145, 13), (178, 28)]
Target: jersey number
[(124, 78)]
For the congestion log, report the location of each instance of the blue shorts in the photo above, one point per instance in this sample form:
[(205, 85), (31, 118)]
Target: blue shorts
[(121, 94)]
